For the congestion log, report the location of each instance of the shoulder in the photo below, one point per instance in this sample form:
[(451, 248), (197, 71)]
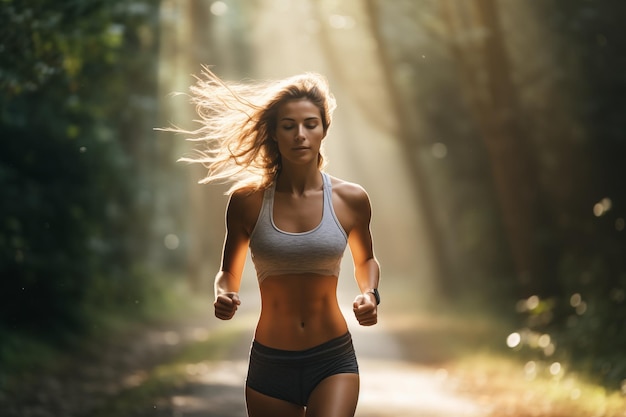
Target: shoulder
[(245, 196), (244, 205), (351, 194)]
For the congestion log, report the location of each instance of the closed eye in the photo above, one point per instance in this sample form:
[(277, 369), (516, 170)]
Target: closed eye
[(308, 126)]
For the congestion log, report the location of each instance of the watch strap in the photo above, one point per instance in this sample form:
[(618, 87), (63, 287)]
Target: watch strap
[(376, 295)]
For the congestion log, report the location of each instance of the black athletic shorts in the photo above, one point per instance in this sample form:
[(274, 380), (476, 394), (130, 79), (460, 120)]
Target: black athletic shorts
[(292, 375)]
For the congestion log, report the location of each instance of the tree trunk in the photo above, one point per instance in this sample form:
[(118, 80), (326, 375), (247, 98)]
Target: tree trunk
[(486, 77), (411, 152)]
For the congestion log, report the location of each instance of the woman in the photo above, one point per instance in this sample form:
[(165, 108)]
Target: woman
[(297, 220)]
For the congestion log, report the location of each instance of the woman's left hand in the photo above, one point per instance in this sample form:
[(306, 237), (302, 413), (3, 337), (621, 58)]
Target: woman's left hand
[(365, 310)]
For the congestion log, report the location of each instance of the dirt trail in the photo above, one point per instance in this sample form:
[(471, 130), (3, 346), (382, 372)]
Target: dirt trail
[(391, 386)]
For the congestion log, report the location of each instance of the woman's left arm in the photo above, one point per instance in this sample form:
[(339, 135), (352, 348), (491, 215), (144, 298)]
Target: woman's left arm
[(366, 266)]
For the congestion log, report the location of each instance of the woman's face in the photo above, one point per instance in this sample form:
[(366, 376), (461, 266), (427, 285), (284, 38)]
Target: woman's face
[(299, 131)]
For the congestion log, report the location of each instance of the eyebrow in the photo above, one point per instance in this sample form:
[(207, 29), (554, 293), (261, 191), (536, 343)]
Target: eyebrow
[(306, 119)]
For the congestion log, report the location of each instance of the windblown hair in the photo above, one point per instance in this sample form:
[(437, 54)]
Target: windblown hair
[(238, 125)]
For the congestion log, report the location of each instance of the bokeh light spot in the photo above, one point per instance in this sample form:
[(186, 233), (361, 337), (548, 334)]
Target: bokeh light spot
[(601, 207), (439, 150), (219, 8), (575, 300), (532, 302), (341, 22), (555, 368), (513, 340), (171, 338), (530, 370), (544, 341), (171, 241)]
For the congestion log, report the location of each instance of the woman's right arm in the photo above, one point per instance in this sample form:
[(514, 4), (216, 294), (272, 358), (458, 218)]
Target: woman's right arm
[(228, 279)]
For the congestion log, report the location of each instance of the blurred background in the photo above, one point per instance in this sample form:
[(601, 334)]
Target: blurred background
[(490, 135)]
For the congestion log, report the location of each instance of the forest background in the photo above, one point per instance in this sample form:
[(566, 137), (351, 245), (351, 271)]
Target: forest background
[(489, 133)]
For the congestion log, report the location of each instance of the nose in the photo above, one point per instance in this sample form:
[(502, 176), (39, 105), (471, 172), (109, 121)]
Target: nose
[(300, 133)]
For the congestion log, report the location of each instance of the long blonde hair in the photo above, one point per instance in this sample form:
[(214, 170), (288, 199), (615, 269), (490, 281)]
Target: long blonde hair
[(238, 123)]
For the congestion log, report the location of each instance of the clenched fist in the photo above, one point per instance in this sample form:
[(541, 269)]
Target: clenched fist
[(226, 305), (365, 310)]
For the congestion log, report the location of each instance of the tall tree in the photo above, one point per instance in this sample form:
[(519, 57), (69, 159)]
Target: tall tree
[(409, 140), (195, 34), (477, 42)]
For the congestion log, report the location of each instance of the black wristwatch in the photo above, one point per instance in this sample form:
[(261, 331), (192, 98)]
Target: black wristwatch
[(376, 295)]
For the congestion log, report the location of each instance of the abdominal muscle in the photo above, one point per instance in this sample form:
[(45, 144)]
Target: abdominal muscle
[(299, 311)]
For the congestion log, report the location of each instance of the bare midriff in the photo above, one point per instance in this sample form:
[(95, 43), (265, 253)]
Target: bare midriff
[(299, 311)]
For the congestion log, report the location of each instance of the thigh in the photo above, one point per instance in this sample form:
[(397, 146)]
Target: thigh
[(335, 396), (260, 405)]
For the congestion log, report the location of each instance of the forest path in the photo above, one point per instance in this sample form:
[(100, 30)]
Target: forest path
[(411, 366)]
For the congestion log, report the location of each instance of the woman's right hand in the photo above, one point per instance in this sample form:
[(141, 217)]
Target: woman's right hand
[(226, 305)]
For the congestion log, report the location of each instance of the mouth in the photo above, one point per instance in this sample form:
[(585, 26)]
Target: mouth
[(300, 148)]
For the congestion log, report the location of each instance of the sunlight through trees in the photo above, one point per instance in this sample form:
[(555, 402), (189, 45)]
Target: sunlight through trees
[(489, 134)]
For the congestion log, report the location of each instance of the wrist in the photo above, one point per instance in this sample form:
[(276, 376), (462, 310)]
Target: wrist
[(374, 295), (229, 294)]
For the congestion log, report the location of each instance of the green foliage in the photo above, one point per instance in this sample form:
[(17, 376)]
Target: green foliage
[(586, 320), (590, 319), (78, 84)]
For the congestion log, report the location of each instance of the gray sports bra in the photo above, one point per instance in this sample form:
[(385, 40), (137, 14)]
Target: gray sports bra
[(318, 251)]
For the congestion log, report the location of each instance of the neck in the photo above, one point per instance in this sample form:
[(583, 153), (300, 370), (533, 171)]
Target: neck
[(299, 181)]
